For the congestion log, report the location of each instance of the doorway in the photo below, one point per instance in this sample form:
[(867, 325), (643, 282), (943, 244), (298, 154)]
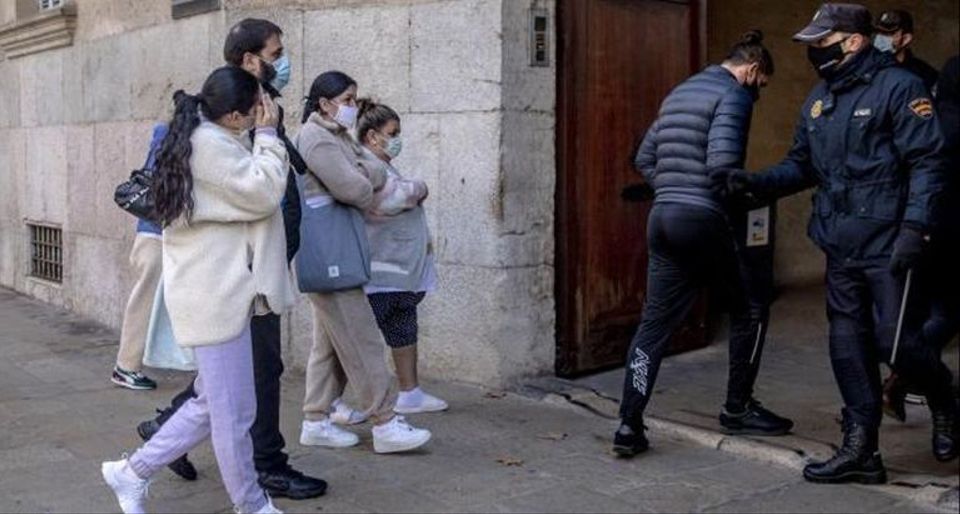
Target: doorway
[(617, 60)]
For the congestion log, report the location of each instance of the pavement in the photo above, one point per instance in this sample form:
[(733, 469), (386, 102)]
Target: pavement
[(494, 451), (795, 381)]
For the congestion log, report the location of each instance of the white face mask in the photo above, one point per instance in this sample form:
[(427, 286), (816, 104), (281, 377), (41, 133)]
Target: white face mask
[(346, 116)]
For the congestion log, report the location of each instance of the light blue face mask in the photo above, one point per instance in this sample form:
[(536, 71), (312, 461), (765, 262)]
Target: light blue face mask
[(394, 146), (884, 43), (282, 78)]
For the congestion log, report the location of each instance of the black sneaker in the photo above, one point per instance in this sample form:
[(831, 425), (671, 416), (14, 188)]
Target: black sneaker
[(290, 483), (132, 379), (754, 420), (182, 466), (628, 442)]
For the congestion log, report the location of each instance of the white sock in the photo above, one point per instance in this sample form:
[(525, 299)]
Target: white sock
[(410, 398)]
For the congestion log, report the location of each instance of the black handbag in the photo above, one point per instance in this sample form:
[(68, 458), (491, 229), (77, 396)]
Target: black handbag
[(135, 195)]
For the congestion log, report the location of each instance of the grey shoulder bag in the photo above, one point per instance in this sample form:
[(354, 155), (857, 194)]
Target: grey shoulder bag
[(334, 252)]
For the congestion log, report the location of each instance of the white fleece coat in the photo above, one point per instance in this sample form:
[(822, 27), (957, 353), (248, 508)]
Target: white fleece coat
[(230, 260)]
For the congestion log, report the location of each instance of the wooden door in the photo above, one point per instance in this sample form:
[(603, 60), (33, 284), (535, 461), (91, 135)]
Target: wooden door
[(617, 61)]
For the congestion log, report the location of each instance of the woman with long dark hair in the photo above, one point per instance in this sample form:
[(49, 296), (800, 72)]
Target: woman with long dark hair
[(347, 343), (218, 198)]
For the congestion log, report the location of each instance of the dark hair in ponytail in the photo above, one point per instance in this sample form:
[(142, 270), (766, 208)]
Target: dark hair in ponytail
[(750, 50), (329, 85), (226, 90), (373, 116)]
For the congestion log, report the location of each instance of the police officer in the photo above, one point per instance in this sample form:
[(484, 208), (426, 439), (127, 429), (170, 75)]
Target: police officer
[(895, 35), (869, 139), (945, 321), (942, 283)]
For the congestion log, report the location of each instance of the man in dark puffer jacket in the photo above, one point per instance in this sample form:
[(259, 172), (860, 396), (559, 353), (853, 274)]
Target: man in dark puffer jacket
[(703, 125)]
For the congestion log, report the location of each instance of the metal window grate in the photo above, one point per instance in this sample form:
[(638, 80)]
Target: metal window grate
[(46, 253), (49, 4)]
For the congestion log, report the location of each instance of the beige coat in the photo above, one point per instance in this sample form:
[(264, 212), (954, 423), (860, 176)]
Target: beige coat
[(229, 261), (339, 166)]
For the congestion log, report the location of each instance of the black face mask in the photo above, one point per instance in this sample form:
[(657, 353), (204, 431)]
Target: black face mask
[(754, 90), (825, 60)]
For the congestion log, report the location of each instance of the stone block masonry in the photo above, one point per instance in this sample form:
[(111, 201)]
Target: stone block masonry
[(478, 127)]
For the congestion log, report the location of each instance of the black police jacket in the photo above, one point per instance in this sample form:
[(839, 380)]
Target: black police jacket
[(869, 139), (928, 74), (702, 125), (948, 108)]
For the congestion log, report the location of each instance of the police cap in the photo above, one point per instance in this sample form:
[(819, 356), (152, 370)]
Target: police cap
[(834, 17), (894, 20)]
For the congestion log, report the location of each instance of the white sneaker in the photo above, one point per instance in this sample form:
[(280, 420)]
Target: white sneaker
[(344, 415), (398, 436), (130, 489), (269, 508), (417, 401), (324, 433)]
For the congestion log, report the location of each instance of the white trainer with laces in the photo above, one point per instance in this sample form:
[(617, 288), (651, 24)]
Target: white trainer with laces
[(325, 433), (417, 401), (398, 436), (343, 414), (269, 509), (130, 489)]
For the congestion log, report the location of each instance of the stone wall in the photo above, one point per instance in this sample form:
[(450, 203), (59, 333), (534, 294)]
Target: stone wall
[(478, 125), (798, 261)]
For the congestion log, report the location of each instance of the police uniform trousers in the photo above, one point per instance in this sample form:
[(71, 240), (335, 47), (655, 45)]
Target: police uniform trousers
[(863, 306)]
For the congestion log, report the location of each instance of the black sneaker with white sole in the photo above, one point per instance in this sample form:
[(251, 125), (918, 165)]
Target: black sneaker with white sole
[(628, 441), (753, 419), (132, 379)]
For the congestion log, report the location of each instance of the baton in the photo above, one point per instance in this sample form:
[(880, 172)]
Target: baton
[(903, 310)]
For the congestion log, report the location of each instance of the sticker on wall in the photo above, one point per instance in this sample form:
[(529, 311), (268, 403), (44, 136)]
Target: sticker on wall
[(758, 227)]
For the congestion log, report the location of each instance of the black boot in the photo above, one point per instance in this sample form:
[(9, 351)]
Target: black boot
[(946, 433), (858, 460), (629, 441), (182, 466), (753, 419)]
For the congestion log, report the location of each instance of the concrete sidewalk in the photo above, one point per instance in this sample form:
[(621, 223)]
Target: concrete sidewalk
[(493, 452), (796, 381)]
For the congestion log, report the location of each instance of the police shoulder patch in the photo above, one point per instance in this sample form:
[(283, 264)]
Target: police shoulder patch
[(922, 107)]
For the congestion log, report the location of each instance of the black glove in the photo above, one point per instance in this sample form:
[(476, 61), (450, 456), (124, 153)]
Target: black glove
[(907, 249), (729, 184), (718, 182)]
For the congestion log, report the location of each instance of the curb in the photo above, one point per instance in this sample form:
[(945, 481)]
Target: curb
[(794, 454)]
